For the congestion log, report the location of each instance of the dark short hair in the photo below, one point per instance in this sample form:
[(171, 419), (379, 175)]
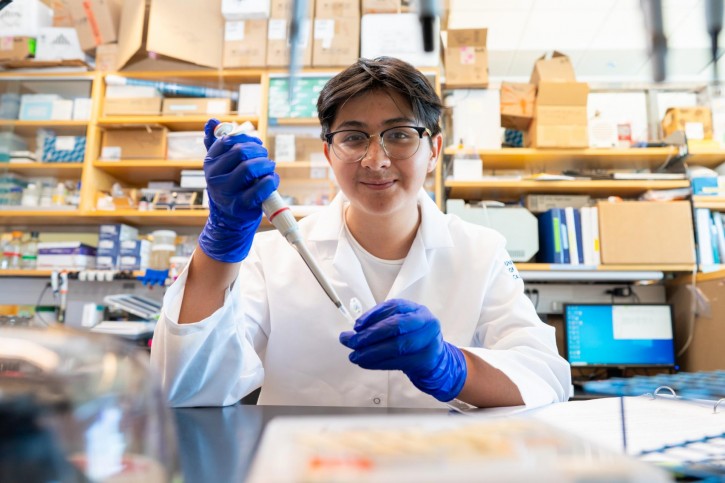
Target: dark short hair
[(387, 74)]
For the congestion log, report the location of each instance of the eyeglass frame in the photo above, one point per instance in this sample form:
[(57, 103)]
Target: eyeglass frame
[(419, 129)]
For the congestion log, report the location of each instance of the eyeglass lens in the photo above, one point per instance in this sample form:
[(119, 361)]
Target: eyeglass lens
[(398, 143)]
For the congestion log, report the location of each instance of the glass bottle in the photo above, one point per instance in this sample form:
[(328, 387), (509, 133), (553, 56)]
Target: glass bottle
[(29, 255), (11, 254)]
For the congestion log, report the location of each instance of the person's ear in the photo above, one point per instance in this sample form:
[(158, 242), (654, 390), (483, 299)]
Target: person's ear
[(435, 151), (326, 150)]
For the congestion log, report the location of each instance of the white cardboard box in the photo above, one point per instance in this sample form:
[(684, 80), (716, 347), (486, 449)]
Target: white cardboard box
[(476, 117), (58, 43), (397, 35), (24, 18)]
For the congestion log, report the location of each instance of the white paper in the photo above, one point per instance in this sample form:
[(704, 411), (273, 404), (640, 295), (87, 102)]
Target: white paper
[(234, 31), (65, 143), (216, 107), (277, 29), (111, 153), (284, 148)]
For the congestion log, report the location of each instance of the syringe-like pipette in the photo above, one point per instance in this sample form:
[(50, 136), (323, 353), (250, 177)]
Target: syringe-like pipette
[(280, 215)]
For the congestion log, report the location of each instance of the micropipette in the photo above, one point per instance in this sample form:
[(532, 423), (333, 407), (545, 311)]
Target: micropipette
[(280, 215)]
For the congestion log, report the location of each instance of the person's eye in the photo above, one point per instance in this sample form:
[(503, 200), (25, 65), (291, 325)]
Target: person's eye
[(353, 137), (399, 134)]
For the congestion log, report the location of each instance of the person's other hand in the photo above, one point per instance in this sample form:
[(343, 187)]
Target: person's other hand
[(239, 177), (152, 277), (401, 335)]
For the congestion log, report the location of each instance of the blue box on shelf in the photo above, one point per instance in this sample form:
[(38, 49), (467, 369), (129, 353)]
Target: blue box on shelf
[(64, 149)]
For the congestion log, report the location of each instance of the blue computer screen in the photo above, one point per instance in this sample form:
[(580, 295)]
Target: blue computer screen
[(619, 335)]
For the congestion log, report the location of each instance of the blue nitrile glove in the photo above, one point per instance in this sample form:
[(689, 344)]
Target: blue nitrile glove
[(402, 335), (154, 276), (239, 177)]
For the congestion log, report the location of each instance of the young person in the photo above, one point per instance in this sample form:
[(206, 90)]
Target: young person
[(445, 313)]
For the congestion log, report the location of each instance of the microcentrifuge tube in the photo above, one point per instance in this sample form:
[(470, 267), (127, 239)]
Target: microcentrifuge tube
[(355, 307)]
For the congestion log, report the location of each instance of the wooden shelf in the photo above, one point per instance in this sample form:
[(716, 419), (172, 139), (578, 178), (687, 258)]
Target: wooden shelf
[(526, 267), (17, 217), (26, 273), (291, 121), (56, 170), (29, 128), (707, 157), (513, 189), (142, 171), (174, 123), (716, 203)]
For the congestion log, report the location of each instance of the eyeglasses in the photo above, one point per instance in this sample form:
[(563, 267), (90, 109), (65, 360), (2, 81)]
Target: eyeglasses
[(400, 142)]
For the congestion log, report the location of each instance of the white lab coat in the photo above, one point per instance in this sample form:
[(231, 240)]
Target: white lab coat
[(278, 329)]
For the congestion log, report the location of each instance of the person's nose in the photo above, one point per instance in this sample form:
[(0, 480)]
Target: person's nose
[(376, 157)]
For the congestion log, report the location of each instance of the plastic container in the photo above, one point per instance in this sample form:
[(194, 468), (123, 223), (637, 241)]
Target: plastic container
[(162, 249)]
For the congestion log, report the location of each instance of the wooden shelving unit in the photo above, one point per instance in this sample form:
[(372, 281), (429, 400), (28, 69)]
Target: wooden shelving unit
[(57, 170), (528, 267), (174, 123), (716, 203)]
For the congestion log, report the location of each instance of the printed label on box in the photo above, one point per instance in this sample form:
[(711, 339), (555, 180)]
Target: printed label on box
[(216, 107), (65, 143), (284, 148), (325, 31), (277, 29), (468, 55), (111, 153), (234, 31), (6, 43)]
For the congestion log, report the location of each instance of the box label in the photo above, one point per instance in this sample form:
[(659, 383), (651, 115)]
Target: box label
[(468, 55), (65, 143), (234, 31), (284, 147), (277, 29), (325, 31)]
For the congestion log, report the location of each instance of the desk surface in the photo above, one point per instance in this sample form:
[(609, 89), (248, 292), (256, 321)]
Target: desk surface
[(218, 444)]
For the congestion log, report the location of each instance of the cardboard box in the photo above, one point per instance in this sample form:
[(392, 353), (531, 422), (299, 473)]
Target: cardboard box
[(245, 9), (560, 116), (397, 35), (96, 21), (380, 6), (107, 57), (336, 41), (134, 143), (305, 148), (632, 232), (61, 13), (191, 106), (58, 43), (708, 338), (466, 58), (175, 35), (556, 68), (139, 106), (278, 47), (283, 8), (23, 18), (245, 43), (337, 8), (17, 48), (695, 121), (517, 105)]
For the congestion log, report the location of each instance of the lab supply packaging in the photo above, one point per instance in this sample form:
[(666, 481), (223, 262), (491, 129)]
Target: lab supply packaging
[(71, 255), (291, 147), (185, 145), (283, 9), (62, 110), (64, 149), (476, 118), (95, 21), (696, 122), (134, 255), (541, 203), (646, 232), (245, 43), (337, 8), (58, 43), (196, 106), (81, 109), (24, 18), (517, 105), (465, 58), (560, 116), (132, 106), (380, 6), (168, 36), (250, 99), (397, 35), (134, 143), (37, 107), (17, 48), (192, 178), (278, 42), (708, 186), (556, 68), (245, 9), (336, 41), (107, 57)]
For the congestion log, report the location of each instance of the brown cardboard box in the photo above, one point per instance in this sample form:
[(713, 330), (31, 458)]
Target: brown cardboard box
[(95, 21), (708, 337), (466, 58), (560, 116), (336, 41), (695, 121), (194, 106), (61, 13), (278, 48), (517, 105), (16, 48), (337, 8), (646, 232), (107, 57), (137, 106), (180, 38), (306, 148), (136, 143), (380, 6), (245, 43), (283, 8), (558, 68)]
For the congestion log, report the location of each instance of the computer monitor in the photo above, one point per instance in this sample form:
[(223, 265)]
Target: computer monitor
[(619, 335)]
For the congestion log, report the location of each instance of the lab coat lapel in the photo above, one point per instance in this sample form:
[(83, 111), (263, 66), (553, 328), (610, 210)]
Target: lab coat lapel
[(432, 234)]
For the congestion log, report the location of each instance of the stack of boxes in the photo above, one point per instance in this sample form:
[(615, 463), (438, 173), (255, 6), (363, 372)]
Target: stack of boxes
[(278, 46), (336, 39), (560, 110), (110, 238)]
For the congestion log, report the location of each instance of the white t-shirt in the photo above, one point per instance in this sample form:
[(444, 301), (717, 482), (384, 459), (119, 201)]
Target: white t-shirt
[(380, 274)]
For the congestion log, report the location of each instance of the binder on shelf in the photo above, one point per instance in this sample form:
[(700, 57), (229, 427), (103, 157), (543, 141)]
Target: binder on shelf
[(551, 248), (565, 245)]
